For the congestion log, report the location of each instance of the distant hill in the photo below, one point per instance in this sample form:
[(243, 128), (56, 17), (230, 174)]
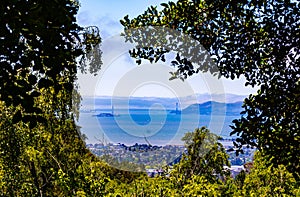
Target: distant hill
[(188, 103), (216, 108), (221, 98)]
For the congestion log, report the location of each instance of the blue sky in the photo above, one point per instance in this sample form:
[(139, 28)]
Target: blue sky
[(123, 74)]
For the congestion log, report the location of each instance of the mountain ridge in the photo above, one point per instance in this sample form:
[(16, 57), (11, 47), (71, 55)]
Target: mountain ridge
[(105, 102), (215, 108), (184, 106)]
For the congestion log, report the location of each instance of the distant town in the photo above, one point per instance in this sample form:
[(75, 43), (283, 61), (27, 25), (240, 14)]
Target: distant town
[(155, 158)]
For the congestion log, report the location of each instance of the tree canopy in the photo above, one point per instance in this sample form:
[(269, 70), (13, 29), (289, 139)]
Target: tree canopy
[(41, 45), (255, 39), (204, 156), (41, 50)]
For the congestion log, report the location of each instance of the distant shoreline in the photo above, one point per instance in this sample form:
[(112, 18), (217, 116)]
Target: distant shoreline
[(227, 142)]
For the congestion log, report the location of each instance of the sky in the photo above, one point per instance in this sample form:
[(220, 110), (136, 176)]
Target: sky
[(121, 76)]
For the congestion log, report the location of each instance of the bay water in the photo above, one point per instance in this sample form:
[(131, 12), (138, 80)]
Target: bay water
[(155, 127)]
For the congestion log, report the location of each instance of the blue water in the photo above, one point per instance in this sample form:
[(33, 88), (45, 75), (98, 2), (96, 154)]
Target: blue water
[(158, 127)]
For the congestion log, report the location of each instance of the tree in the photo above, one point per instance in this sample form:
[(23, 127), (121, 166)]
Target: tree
[(41, 48), (204, 157), (255, 39), (40, 44), (267, 180)]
